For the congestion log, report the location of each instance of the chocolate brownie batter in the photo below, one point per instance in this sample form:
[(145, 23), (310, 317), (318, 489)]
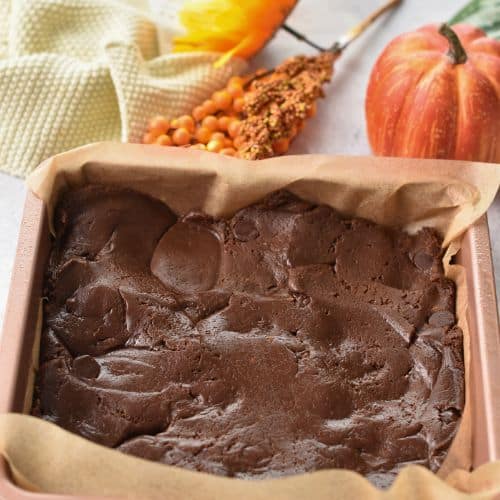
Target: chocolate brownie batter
[(282, 340)]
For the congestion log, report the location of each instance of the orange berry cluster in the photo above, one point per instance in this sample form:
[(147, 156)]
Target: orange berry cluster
[(254, 117), (214, 125)]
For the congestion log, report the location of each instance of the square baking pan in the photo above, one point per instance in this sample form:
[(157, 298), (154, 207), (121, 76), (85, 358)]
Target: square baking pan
[(19, 335)]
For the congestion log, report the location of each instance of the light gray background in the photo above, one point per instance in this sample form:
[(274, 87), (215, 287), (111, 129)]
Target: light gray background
[(339, 127)]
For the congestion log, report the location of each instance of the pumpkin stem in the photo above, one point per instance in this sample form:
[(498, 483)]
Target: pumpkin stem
[(457, 52)]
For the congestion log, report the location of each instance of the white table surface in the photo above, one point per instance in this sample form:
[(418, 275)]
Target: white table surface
[(339, 127)]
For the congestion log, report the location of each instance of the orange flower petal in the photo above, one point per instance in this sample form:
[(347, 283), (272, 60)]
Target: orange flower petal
[(234, 27)]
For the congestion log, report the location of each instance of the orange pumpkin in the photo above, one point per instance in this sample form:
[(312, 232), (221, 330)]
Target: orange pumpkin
[(435, 93)]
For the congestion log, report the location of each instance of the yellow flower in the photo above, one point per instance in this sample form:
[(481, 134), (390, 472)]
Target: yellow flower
[(235, 27)]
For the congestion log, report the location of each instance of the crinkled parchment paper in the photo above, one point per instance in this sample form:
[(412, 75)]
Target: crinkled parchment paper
[(448, 196)]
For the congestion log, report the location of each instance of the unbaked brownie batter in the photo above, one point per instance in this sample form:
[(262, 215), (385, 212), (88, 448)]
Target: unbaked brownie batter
[(284, 339)]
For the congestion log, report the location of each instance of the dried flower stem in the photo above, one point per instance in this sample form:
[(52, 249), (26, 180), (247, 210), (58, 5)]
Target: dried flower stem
[(301, 37), (353, 33), (342, 42)]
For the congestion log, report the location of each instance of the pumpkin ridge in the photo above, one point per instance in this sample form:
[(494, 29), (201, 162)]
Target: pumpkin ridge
[(396, 120), (419, 40), (467, 32), (404, 66), (483, 54), (424, 72), (424, 53), (481, 50), (458, 114), (431, 44), (480, 74), (495, 85)]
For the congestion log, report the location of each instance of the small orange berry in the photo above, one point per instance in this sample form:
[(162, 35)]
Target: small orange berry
[(187, 122), (217, 136), (199, 113), (214, 146), (203, 135), (236, 80), (238, 104), (235, 90), (228, 151), (174, 123), (234, 128), (224, 121), (222, 99), (164, 140), (228, 143), (181, 137), (281, 146), (156, 132), (159, 123), (148, 138), (211, 123), (209, 107)]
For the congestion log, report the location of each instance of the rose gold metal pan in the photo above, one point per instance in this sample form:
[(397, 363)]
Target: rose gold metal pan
[(26, 287)]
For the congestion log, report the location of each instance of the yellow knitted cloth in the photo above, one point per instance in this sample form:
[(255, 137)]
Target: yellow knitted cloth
[(79, 71)]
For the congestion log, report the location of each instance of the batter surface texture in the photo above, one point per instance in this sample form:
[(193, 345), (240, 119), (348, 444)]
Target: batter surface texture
[(282, 340)]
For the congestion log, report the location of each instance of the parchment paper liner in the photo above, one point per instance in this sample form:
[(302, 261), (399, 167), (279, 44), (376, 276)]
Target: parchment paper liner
[(446, 195)]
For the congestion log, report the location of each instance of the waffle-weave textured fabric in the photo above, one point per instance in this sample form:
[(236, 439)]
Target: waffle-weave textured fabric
[(74, 72)]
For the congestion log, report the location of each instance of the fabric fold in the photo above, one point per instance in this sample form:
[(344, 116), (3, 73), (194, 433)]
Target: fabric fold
[(74, 72)]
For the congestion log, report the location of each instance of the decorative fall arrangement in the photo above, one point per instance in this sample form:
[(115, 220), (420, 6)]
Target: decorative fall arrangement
[(253, 118), (435, 93), (257, 116)]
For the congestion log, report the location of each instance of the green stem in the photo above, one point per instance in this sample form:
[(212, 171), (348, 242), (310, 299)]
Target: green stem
[(457, 52)]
